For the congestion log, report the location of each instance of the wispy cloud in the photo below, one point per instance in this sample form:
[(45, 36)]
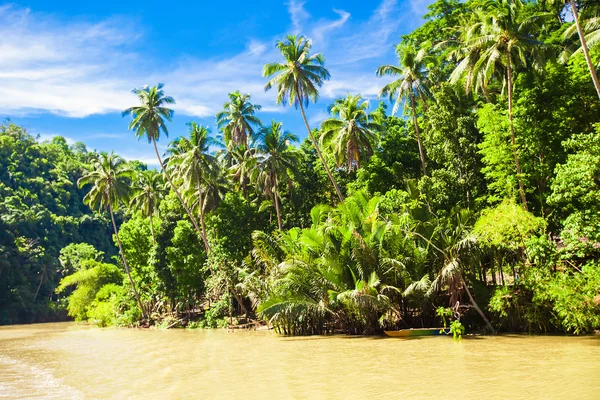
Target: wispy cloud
[(56, 67), (323, 27), (80, 68), (298, 14), (372, 38), (355, 48)]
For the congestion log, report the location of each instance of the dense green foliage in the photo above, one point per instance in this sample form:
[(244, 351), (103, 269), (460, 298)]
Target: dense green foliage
[(41, 211), (477, 206)]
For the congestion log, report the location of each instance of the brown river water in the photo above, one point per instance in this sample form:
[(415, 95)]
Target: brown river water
[(67, 360)]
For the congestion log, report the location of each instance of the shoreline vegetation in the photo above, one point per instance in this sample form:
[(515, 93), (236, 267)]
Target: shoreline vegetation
[(467, 197)]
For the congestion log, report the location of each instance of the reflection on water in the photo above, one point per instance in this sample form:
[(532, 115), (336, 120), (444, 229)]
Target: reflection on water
[(76, 361)]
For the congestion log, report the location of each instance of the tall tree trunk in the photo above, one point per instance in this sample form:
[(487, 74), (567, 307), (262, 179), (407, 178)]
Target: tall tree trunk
[(476, 307), (422, 96), (484, 275), (314, 142), (152, 228), (240, 302), (584, 47), (486, 94), (245, 188), (512, 131), (137, 296), (421, 153), (201, 207), (42, 278), (277, 203), (187, 210), (542, 181)]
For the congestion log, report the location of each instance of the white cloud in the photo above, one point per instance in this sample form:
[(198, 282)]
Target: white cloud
[(341, 84), (256, 48), (297, 14), (323, 27), (50, 66), (80, 68)]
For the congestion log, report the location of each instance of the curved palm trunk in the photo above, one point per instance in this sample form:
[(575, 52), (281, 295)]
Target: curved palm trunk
[(240, 302), (201, 207), (416, 122), (588, 59), (187, 210), (512, 132), (476, 307), (314, 142), (152, 228), (137, 296), (473, 303), (277, 204)]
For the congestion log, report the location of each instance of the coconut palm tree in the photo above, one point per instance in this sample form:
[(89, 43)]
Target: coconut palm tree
[(191, 161), (592, 25), (237, 119), (111, 185), (244, 162), (297, 79), (410, 86), (349, 133), (457, 249), (149, 189), (216, 186), (469, 69), (149, 121), (500, 39), (277, 160)]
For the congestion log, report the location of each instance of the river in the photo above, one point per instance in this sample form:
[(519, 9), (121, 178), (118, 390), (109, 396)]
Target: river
[(68, 360)]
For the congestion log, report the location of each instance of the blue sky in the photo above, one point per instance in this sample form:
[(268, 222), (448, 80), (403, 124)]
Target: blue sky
[(68, 67)]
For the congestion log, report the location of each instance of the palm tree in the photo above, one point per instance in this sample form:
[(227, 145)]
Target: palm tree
[(216, 186), (329, 271), (149, 188), (470, 69), (148, 122), (593, 26), (458, 249), (500, 40), (110, 180), (191, 162), (277, 160), (411, 85), (297, 80), (237, 120), (244, 162), (349, 132)]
